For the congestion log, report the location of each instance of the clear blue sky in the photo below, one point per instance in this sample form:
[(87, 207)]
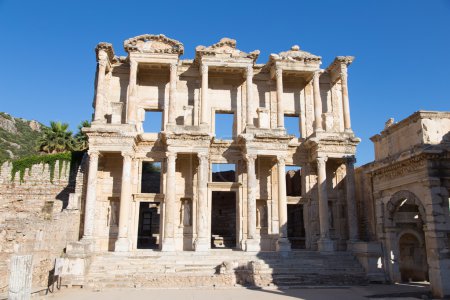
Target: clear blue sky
[(402, 49)]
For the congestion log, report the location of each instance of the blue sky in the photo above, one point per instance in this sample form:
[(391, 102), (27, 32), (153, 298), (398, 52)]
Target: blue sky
[(402, 49)]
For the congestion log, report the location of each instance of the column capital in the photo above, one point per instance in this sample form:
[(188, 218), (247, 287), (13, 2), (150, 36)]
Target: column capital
[(350, 161), (278, 72), (171, 155), (127, 155), (203, 157), (173, 66), (93, 153), (251, 158), (321, 160), (204, 69), (281, 158), (249, 70)]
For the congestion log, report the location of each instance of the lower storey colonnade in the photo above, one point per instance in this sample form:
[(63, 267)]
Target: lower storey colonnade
[(248, 212)]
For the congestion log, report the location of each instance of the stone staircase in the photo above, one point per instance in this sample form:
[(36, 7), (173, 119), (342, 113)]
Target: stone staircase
[(223, 268)]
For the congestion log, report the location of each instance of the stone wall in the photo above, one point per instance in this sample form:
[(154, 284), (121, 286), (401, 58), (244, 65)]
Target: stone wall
[(37, 218)]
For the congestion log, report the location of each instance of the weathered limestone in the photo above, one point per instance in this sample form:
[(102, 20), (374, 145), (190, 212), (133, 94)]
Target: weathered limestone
[(351, 203), (20, 277), (186, 187), (203, 242), (405, 196), (324, 244), (91, 195), (283, 242), (204, 100), (252, 243), (122, 243), (168, 243)]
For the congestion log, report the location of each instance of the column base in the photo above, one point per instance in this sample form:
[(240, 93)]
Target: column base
[(168, 245), (253, 245), (283, 245), (326, 245), (82, 248), (122, 245), (202, 244)]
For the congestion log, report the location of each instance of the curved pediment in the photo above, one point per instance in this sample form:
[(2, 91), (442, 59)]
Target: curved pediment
[(295, 54), (225, 48), (150, 43)]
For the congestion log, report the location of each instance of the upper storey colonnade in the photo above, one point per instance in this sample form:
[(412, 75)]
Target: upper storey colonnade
[(324, 90)]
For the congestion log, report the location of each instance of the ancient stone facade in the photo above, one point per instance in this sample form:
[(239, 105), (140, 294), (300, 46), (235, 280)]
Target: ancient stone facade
[(403, 200), (176, 215), (38, 217)]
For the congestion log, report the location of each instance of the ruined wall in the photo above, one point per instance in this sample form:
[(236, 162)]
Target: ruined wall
[(36, 217)]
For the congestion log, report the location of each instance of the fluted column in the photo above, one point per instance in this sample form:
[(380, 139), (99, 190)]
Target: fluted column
[(317, 103), (283, 242), (99, 113), (345, 101), (132, 93), (202, 242), (351, 205), (168, 242), (280, 110), (204, 100), (250, 96), (253, 240), (123, 243), (172, 93), (91, 195), (20, 277), (324, 243)]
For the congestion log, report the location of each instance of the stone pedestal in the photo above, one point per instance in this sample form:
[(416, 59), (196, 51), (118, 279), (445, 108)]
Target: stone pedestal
[(122, 245), (326, 245), (253, 245), (283, 245), (202, 244), (20, 277)]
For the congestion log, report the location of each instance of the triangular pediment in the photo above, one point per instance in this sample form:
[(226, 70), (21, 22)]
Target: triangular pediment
[(225, 48), (295, 54), (149, 43)]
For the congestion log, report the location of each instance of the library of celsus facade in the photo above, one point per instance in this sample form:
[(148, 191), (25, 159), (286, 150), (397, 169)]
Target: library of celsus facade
[(163, 176)]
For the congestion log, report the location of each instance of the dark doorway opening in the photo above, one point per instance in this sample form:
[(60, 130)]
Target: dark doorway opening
[(223, 220), (296, 226), (413, 265), (148, 230)]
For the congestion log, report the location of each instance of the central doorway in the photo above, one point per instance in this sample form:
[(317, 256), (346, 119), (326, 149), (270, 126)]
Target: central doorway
[(148, 228), (223, 220), (296, 226)]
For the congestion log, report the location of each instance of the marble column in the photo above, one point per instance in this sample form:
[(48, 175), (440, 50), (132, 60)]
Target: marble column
[(283, 243), (123, 243), (250, 96), (132, 93), (100, 111), (253, 240), (168, 242), (325, 243), (351, 204), (345, 102), (20, 277), (280, 110), (172, 93), (317, 103), (204, 101), (202, 242), (91, 195)]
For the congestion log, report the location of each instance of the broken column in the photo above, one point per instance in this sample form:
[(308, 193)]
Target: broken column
[(20, 275)]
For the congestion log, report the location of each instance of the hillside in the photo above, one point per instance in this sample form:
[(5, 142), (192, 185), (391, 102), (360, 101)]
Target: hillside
[(18, 137)]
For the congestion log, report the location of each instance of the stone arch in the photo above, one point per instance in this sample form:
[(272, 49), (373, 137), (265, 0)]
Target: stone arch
[(397, 199)]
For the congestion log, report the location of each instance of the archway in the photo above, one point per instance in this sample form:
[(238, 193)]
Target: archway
[(405, 221), (412, 259)]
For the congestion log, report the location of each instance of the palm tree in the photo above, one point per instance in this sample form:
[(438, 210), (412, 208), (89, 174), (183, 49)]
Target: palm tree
[(56, 138), (81, 139)]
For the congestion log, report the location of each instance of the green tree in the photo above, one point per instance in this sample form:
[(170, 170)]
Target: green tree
[(80, 139), (57, 138)]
